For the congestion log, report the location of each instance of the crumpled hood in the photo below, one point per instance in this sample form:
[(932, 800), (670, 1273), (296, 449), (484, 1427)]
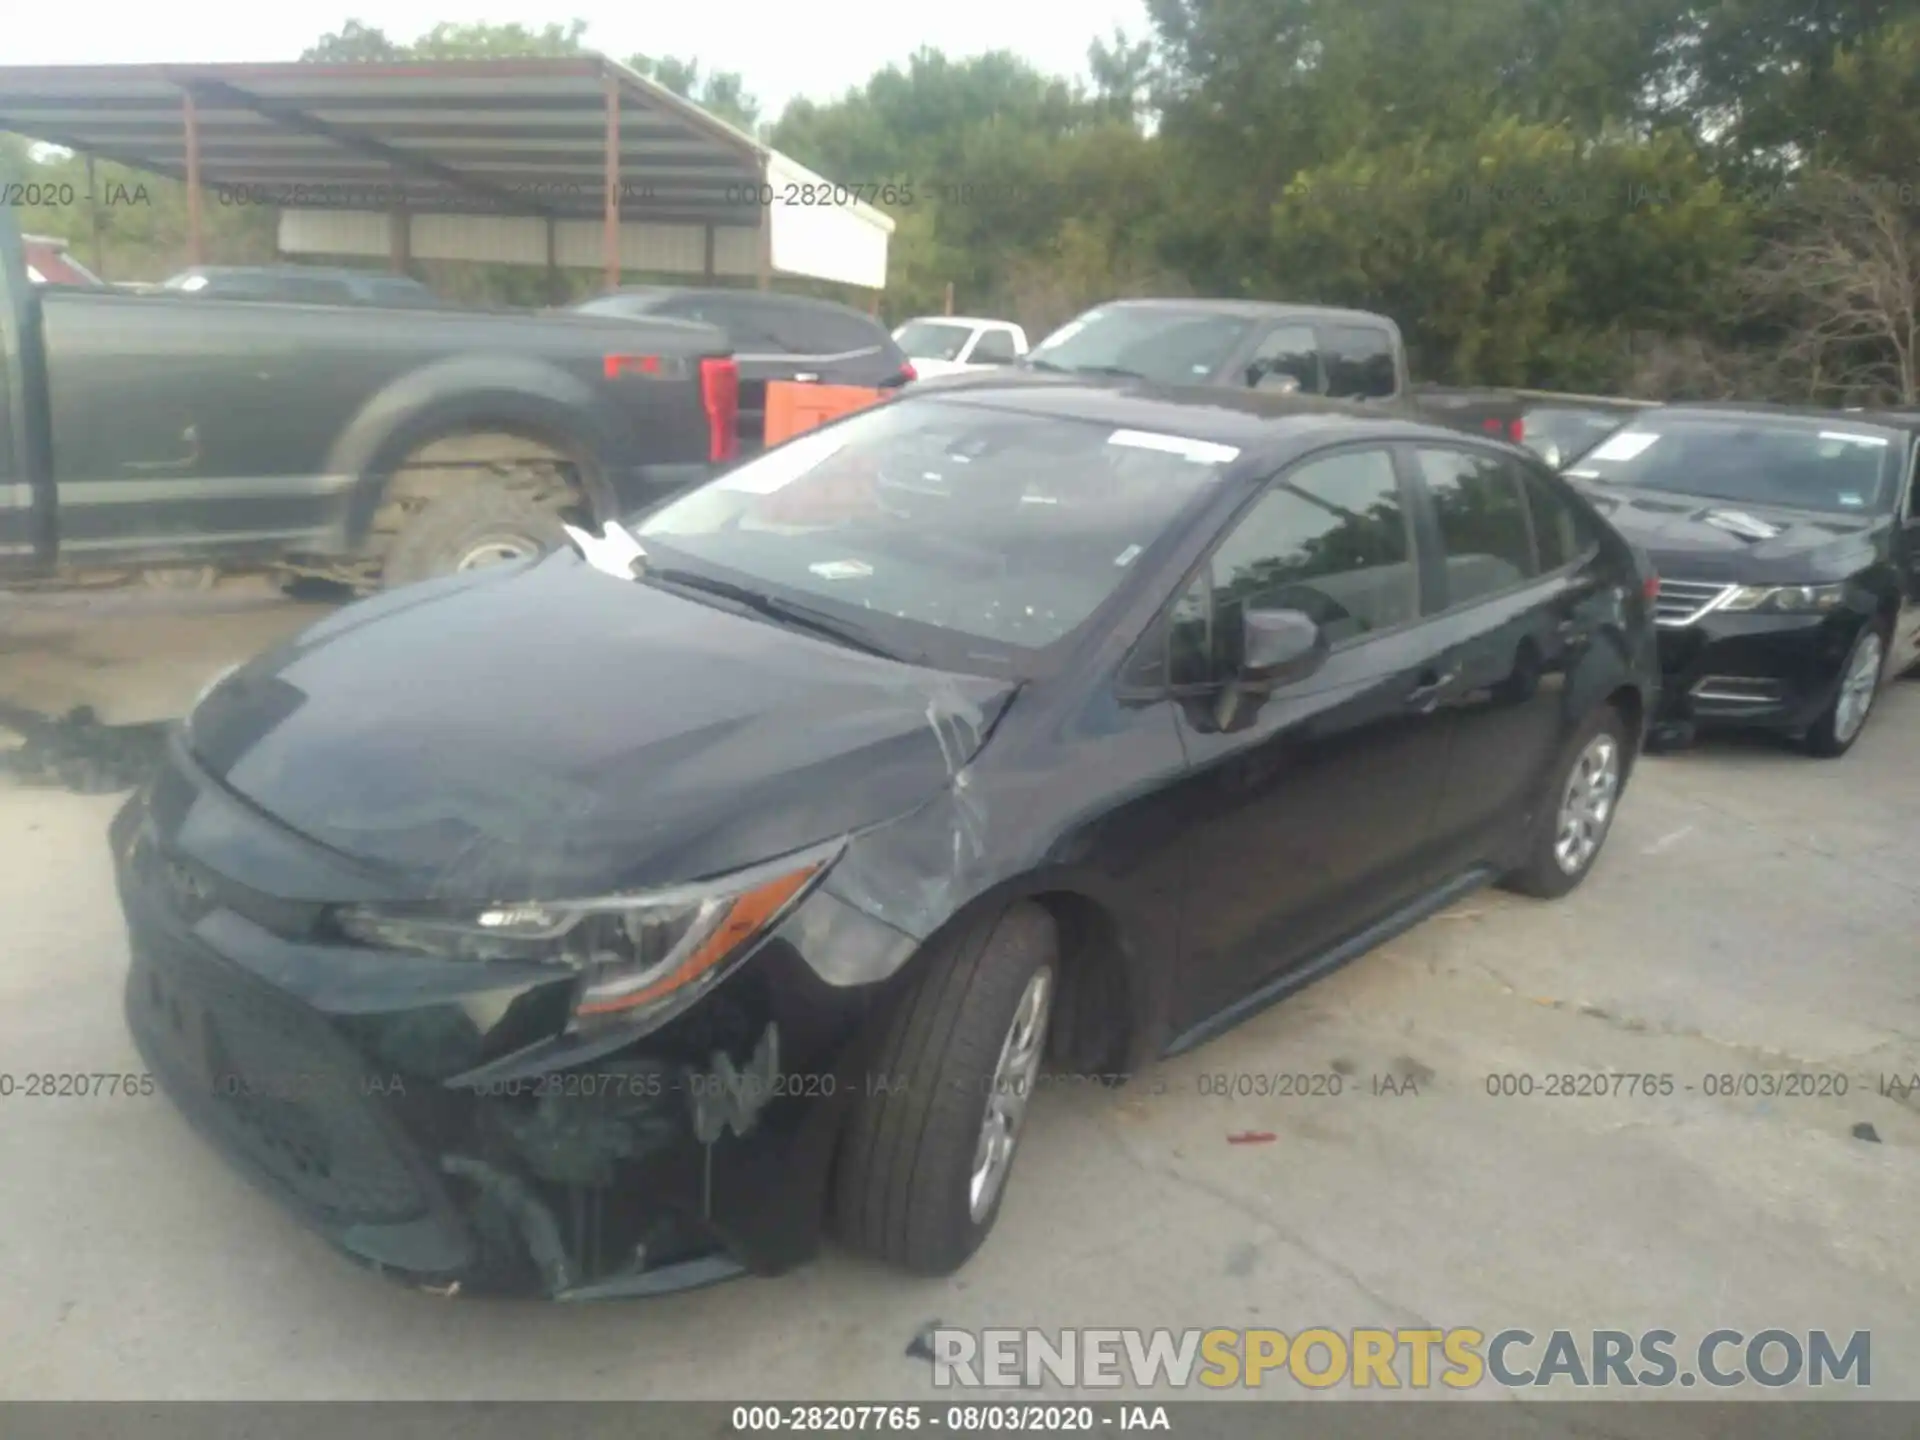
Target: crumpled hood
[(1694, 537), (546, 731)]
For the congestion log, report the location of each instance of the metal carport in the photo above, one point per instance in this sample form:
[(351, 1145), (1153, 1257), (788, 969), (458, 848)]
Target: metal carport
[(557, 162)]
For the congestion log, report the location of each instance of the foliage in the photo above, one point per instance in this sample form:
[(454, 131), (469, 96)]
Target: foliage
[(1688, 197)]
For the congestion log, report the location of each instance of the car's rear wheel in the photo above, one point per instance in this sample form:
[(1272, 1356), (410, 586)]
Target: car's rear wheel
[(1576, 813), (931, 1140), (1840, 724)]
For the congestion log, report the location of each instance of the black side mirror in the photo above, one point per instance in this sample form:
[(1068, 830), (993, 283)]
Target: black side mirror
[(1278, 646)]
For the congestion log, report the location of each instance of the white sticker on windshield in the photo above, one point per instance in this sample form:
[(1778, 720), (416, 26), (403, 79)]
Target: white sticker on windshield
[(1852, 501), (1878, 441), (1128, 555), (779, 468), (1201, 452), (1624, 446), (842, 569)]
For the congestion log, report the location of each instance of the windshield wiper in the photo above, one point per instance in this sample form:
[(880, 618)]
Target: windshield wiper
[(1032, 363), (850, 633)]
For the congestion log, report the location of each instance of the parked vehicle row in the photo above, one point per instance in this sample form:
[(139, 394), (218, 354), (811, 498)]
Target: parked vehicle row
[(710, 885)]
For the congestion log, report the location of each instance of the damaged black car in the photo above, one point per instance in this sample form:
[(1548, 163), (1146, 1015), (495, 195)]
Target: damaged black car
[(625, 919)]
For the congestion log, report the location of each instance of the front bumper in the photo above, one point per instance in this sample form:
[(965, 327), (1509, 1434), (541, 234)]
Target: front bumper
[(1775, 672), (422, 1117)]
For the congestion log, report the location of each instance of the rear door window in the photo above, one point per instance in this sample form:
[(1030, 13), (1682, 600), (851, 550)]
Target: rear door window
[(1288, 352), (1483, 523), (1360, 362), (994, 347)]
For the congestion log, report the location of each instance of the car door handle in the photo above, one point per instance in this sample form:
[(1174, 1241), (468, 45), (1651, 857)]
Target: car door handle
[(1572, 632), (1426, 695)]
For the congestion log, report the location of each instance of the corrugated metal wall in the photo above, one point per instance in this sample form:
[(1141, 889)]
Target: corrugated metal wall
[(844, 242)]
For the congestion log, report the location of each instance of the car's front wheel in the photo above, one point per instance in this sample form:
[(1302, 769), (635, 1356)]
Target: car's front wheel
[(1576, 814), (931, 1139), (1840, 724)]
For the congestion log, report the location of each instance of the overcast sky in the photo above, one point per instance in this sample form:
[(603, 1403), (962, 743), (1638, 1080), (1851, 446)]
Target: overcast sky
[(782, 48)]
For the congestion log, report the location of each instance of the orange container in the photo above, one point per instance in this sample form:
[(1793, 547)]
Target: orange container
[(793, 407)]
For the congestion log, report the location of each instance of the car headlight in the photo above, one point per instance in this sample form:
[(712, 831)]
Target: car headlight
[(1786, 599), (634, 953)]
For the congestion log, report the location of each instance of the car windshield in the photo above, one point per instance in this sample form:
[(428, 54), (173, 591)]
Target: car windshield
[(932, 339), (1562, 433), (1179, 347), (929, 520), (1830, 466)]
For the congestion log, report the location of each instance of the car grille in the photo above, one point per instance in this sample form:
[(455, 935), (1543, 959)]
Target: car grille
[(288, 1099), (1681, 602)]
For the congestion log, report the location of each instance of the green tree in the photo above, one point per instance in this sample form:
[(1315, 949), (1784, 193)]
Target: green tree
[(1521, 255)]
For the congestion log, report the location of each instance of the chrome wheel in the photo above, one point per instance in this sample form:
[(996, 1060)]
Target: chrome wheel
[(495, 552), (1011, 1087), (1858, 687), (1587, 806)]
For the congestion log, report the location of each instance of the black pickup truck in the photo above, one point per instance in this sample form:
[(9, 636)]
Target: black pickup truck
[(358, 444), (1268, 345)]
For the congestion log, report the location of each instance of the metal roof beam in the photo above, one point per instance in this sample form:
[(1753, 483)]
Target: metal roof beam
[(401, 160)]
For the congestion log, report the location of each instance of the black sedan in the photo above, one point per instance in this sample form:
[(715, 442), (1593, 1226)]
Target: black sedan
[(619, 921), (1788, 548)]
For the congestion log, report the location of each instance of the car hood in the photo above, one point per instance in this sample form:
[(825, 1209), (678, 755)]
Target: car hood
[(1695, 537), (550, 731)]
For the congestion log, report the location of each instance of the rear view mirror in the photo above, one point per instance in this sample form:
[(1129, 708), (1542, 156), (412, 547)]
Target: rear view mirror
[(1277, 382), (1279, 645)]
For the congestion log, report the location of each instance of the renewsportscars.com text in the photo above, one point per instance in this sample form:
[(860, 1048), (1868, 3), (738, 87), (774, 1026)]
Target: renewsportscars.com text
[(1458, 1359)]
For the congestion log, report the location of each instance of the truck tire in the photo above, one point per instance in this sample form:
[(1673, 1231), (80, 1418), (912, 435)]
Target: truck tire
[(469, 524), (908, 1186)]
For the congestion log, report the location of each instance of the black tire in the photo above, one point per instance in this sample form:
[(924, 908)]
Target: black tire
[(1541, 874), (467, 517), (1823, 739), (902, 1184)]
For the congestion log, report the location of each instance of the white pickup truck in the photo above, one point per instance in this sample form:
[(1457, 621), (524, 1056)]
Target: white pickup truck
[(953, 344)]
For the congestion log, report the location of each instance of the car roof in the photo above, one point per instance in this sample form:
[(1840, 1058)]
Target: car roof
[(1251, 309), (1263, 423), (1888, 419)]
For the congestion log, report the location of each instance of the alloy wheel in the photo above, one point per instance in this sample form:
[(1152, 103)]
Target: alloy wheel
[(1858, 688), (1010, 1089), (1587, 805)]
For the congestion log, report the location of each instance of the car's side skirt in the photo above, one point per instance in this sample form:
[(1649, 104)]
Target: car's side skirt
[(1398, 922)]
